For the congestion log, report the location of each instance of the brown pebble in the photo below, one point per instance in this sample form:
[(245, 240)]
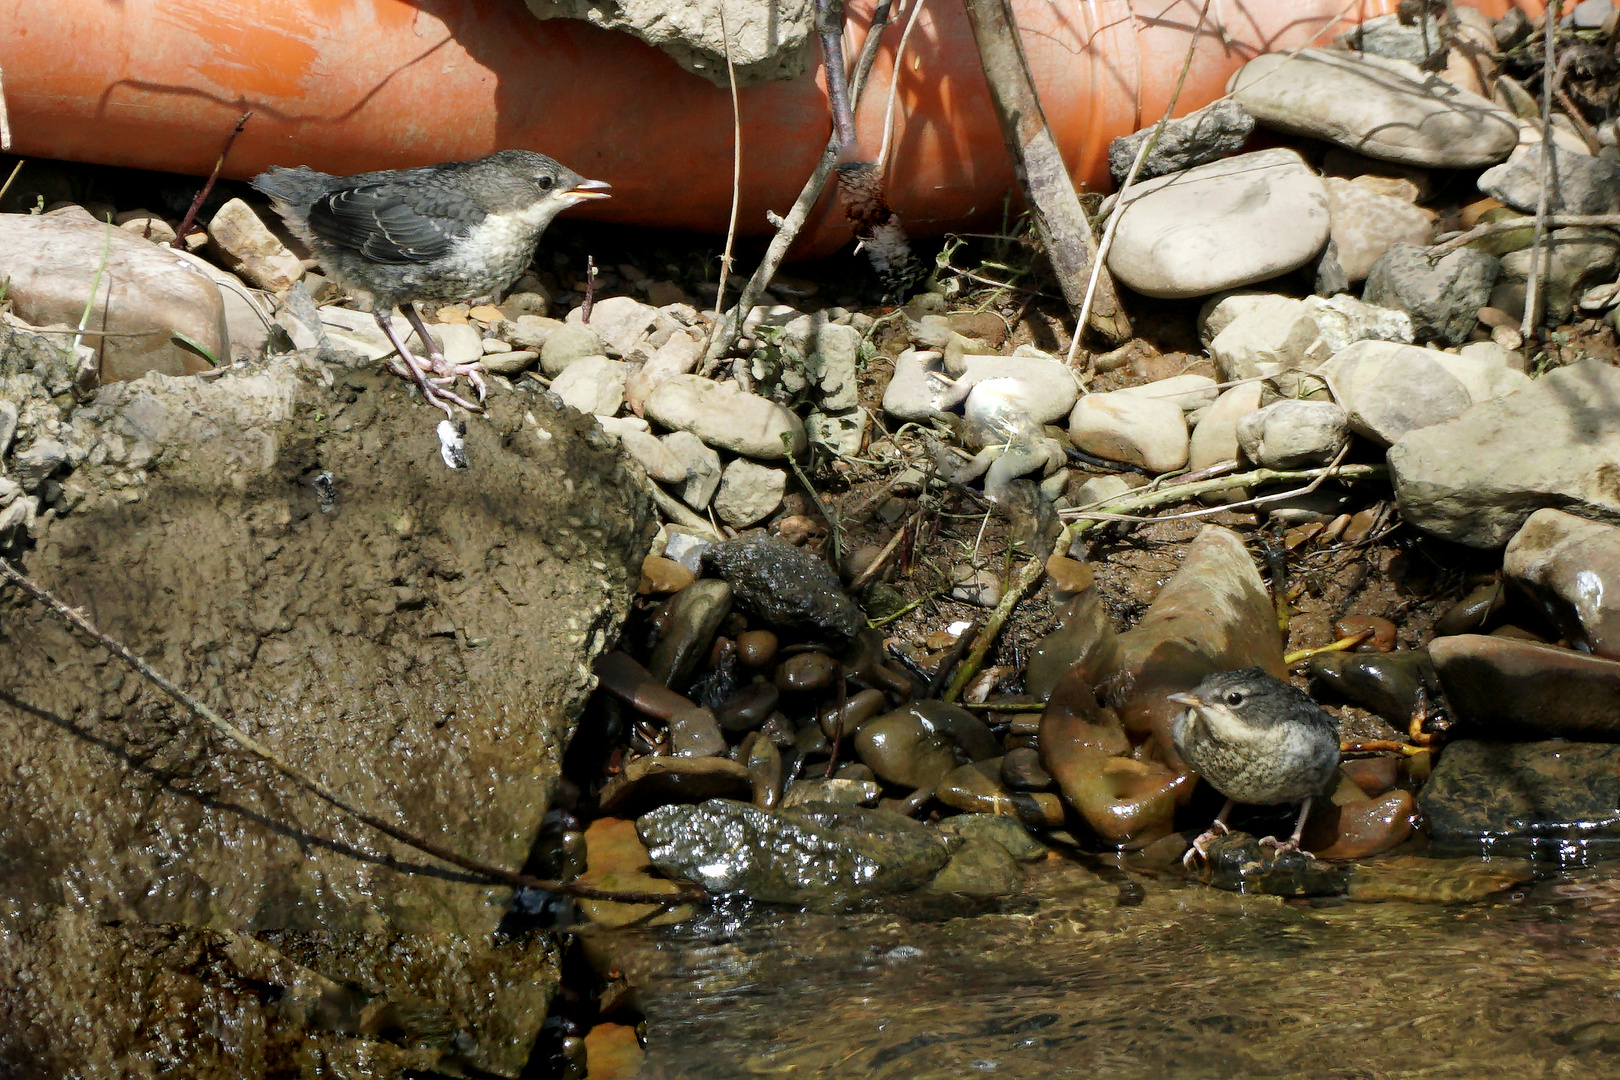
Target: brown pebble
[(857, 710), (796, 529), (1367, 828), (748, 708), (1361, 525), (1069, 575), (806, 672), (1373, 775), (1021, 770), (1383, 631), (756, 648)]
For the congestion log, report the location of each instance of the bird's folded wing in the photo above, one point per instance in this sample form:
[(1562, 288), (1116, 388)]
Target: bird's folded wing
[(378, 222)]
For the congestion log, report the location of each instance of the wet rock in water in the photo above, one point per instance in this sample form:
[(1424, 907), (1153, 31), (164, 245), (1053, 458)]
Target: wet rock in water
[(748, 707), (756, 648), (1524, 689), (785, 585), (806, 672), (1390, 684), (1442, 296), (977, 789), (764, 764), (861, 707), (380, 610), (1358, 829), (1418, 880), (1018, 841), (1555, 798), (1384, 109), (816, 854), (918, 745), (1200, 231), (842, 790), (1373, 775), (979, 867), (725, 416), (148, 295), (1021, 770), (1213, 615), (1291, 434), (1236, 862), (694, 733), (655, 781), (1476, 479), (1576, 183), (1210, 133), (1572, 566), (1083, 631), (694, 616), (615, 858)]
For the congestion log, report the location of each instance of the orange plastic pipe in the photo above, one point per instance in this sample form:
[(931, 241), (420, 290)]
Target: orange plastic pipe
[(351, 85)]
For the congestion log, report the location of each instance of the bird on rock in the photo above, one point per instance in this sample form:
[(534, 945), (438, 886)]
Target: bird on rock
[(460, 231), (1257, 740)]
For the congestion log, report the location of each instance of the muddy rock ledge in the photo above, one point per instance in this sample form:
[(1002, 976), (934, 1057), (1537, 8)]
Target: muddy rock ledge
[(285, 543)]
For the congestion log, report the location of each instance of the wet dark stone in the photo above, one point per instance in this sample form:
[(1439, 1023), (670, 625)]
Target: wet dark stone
[(1236, 862), (654, 781), (977, 788), (1021, 770), (694, 733), (842, 790), (916, 746), (764, 764), (1522, 689), (1083, 630), (1525, 798), (806, 672), (695, 615), (748, 708), (857, 710), (1386, 683), (980, 867), (1003, 830), (1473, 613), (784, 585), (756, 648), (824, 854)]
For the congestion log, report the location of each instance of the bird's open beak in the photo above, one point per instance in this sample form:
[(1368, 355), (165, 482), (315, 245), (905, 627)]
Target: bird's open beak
[(1192, 701), (591, 189)]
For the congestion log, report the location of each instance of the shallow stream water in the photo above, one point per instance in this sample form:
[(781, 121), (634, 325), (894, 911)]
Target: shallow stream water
[(1123, 977)]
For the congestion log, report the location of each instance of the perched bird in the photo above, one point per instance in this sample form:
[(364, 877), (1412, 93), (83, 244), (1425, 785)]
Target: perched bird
[(1257, 740), (463, 230)]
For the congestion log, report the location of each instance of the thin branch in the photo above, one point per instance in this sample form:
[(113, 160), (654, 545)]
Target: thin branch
[(736, 171), (725, 338), (1492, 228), (208, 185), (495, 874), (894, 84), (1532, 288)]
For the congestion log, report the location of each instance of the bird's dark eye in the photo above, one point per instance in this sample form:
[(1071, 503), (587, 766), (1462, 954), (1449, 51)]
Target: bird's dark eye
[(1234, 697), (547, 182)]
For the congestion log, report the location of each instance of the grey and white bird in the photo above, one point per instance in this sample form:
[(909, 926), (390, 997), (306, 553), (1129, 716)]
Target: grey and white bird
[(458, 231), (1259, 741)]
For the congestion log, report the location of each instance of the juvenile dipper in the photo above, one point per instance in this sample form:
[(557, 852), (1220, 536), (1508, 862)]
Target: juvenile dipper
[(1257, 740), (463, 230)]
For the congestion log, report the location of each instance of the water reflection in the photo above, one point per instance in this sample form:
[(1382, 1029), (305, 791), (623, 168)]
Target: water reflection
[(1188, 983)]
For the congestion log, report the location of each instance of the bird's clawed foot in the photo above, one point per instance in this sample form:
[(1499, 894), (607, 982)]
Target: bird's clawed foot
[(1283, 847), (444, 373), (1200, 847)]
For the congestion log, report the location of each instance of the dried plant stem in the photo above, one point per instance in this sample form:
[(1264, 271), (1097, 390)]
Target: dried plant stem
[(208, 185), (1532, 288), (736, 172), (725, 337), (1029, 572), (1492, 228), (494, 874)]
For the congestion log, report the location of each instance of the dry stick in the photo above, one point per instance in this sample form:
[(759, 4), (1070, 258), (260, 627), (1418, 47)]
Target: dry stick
[(208, 185), (1130, 178), (1532, 288), (736, 172), (1030, 572), (894, 85), (1491, 228), (259, 750), (1054, 206), (5, 117), (788, 230)]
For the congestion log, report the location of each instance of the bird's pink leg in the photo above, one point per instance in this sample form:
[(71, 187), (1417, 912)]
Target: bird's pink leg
[(435, 394), (1200, 845), (1292, 843), (447, 372)]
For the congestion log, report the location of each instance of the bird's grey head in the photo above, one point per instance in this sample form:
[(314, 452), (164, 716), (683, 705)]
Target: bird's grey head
[(537, 178)]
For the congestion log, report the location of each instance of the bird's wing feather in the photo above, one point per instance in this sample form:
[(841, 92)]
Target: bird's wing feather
[(386, 224)]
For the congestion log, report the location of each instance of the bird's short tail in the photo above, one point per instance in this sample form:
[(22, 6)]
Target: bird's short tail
[(298, 187)]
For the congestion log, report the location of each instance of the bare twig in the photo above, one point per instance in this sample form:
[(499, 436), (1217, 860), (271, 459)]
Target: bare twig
[(736, 172), (894, 84), (590, 290), (1492, 228), (1549, 72), (494, 874), (5, 187), (5, 117), (725, 337), (208, 185)]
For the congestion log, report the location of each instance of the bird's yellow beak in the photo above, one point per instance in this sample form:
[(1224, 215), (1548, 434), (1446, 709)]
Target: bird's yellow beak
[(1192, 701)]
